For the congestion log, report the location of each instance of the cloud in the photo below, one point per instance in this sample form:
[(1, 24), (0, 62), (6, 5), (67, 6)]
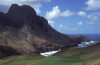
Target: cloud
[(64, 27), (61, 26), (21, 2), (56, 12), (66, 13), (92, 18), (82, 13), (93, 4), (80, 23), (36, 4), (51, 23), (53, 14)]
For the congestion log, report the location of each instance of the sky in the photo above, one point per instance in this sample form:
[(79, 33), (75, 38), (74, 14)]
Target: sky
[(66, 16)]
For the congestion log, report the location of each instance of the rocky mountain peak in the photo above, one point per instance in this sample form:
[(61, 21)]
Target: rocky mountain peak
[(22, 10), (17, 13), (21, 14)]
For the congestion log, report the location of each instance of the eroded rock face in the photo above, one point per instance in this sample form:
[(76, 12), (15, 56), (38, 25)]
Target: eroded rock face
[(22, 29)]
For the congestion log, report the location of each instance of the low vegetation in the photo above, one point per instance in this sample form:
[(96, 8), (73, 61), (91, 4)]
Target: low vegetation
[(73, 56)]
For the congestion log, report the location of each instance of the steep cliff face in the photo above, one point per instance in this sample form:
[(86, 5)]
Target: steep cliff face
[(26, 32)]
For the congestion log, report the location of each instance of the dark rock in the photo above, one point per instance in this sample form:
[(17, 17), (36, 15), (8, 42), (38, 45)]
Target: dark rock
[(79, 38), (7, 51)]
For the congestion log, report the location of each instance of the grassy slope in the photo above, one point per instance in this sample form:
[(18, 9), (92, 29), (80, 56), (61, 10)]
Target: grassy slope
[(20, 60), (88, 55), (63, 60), (73, 56)]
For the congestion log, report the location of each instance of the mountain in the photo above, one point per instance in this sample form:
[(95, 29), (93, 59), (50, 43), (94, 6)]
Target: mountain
[(22, 30)]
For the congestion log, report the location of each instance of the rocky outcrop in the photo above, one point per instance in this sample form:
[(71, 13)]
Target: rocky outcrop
[(7, 51), (26, 32), (79, 38)]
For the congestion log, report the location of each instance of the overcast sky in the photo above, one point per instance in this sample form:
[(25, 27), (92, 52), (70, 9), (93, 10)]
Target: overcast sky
[(66, 16)]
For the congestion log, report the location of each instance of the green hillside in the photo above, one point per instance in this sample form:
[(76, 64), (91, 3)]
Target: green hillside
[(73, 56)]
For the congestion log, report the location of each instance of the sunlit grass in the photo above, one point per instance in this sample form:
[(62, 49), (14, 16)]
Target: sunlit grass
[(64, 60)]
